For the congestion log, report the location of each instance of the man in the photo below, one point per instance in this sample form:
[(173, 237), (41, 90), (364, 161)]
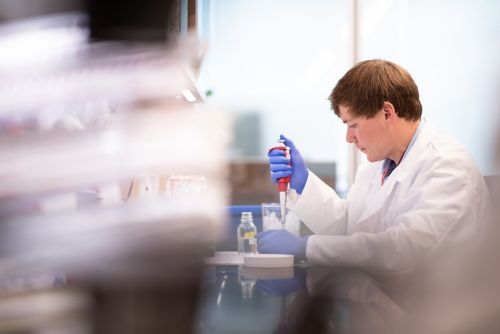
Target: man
[(420, 193)]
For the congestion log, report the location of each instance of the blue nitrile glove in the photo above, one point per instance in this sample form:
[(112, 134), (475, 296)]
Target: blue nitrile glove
[(282, 242), (280, 168)]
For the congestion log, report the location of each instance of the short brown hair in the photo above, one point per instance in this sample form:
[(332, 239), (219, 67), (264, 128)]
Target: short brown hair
[(367, 85)]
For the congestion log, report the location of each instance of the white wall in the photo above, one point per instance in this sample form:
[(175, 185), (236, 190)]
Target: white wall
[(283, 57), (452, 50)]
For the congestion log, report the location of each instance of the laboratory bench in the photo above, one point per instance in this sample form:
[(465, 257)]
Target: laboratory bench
[(227, 297), (309, 299), (300, 299)]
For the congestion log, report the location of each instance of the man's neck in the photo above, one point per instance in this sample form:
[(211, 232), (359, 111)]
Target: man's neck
[(403, 138)]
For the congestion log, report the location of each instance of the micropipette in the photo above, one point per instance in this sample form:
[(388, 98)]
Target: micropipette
[(283, 182)]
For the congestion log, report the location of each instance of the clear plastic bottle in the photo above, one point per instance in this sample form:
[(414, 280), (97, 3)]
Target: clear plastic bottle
[(247, 243)]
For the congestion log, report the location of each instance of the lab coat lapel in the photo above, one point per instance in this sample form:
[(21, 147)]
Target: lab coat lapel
[(377, 197), (380, 194)]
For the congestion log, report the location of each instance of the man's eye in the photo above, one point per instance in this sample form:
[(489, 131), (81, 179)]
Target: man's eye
[(352, 126)]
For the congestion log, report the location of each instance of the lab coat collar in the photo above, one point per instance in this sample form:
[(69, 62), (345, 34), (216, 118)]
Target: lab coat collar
[(416, 152), (411, 156), (388, 162), (399, 174)]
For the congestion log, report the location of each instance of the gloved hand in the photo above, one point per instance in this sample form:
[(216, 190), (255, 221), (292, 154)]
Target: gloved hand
[(280, 168), (282, 242)]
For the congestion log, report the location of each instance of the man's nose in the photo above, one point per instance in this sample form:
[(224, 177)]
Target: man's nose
[(349, 136)]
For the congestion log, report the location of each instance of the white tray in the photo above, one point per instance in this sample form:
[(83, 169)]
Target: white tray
[(268, 260)]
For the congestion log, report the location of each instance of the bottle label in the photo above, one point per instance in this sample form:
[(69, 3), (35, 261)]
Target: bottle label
[(249, 235)]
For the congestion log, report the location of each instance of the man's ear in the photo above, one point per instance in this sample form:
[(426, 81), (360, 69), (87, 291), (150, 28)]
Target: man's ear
[(389, 111)]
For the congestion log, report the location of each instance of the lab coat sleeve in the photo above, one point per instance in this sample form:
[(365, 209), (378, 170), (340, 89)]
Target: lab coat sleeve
[(320, 208), (443, 208)]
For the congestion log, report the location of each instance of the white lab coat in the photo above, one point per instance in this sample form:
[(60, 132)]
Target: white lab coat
[(436, 198)]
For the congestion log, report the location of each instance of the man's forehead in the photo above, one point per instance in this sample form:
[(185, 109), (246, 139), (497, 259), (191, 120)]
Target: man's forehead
[(345, 114)]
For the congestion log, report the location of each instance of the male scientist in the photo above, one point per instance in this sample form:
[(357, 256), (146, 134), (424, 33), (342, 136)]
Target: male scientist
[(419, 195)]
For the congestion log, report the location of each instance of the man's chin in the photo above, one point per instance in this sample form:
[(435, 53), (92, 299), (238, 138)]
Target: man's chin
[(373, 159)]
